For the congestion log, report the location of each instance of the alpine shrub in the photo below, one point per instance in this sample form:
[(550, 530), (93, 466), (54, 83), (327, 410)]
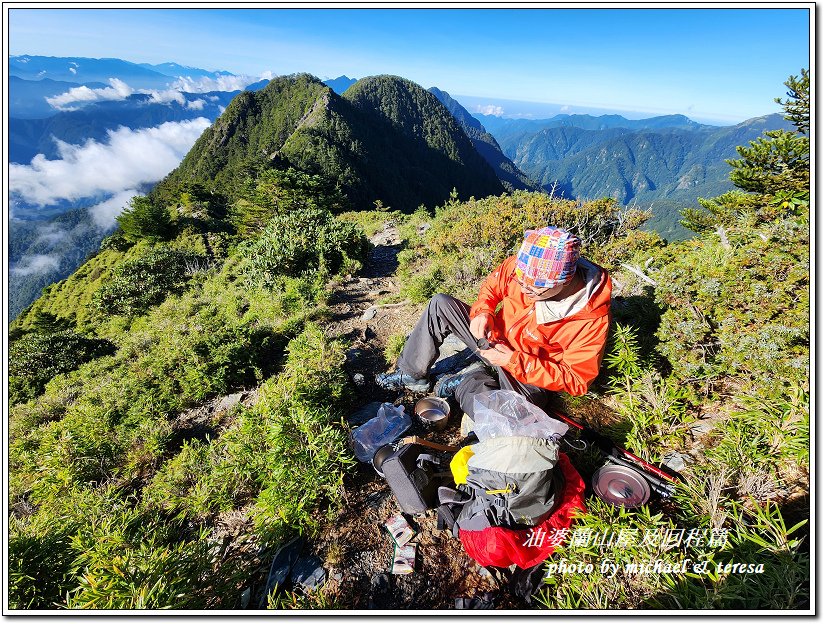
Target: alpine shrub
[(37, 357), (145, 282), (301, 242), (40, 568)]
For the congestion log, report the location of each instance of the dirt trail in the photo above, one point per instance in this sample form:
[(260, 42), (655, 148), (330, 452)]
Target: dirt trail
[(356, 548), (354, 315)]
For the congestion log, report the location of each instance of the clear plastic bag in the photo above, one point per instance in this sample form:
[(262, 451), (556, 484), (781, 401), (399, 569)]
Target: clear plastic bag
[(384, 428), (502, 413)]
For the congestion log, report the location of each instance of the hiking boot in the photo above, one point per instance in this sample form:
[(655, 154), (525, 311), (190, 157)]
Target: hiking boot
[(446, 386), (401, 381)]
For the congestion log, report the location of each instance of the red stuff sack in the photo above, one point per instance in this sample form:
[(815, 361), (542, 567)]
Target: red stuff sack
[(502, 546)]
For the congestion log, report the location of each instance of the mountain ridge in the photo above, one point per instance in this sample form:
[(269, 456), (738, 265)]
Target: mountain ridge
[(486, 145), (85, 69), (386, 139), (654, 164)]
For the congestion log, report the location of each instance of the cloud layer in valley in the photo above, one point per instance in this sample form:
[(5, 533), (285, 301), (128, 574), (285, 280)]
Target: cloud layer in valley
[(128, 160), (75, 97), (105, 212), (37, 263), (221, 83), (118, 90)]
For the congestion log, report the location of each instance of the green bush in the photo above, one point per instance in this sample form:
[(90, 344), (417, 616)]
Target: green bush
[(36, 358), (764, 443), (738, 307), (755, 533), (295, 423), (41, 567), (302, 411), (147, 576), (124, 552), (467, 240), (139, 284), (270, 192), (303, 241), (654, 407), (606, 534), (373, 221), (116, 241)]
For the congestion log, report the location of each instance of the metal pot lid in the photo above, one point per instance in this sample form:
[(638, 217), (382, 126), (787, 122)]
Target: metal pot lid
[(620, 485)]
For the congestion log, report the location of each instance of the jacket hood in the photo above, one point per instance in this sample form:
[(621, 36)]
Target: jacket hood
[(592, 301)]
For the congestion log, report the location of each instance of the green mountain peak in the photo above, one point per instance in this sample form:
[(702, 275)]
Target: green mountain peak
[(386, 139)]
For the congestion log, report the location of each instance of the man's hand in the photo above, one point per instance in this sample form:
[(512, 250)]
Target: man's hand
[(481, 325), (499, 355)]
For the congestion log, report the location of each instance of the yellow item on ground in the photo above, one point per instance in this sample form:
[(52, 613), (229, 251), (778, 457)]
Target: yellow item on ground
[(459, 464)]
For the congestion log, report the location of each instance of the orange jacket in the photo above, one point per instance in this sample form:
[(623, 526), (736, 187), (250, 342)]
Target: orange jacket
[(562, 354)]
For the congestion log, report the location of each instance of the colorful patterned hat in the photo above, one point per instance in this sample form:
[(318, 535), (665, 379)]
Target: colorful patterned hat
[(547, 257)]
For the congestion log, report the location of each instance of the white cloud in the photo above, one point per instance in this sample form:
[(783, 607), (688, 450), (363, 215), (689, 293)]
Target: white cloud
[(105, 212), (37, 263), (489, 109), (118, 91), (72, 70), (129, 159), (166, 97), (42, 72), (51, 234), (205, 84), (565, 108)]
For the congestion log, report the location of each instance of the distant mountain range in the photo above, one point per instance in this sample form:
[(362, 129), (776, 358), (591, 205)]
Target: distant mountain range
[(505, 127), (176, 70), (83, 70), (27, 98), (664, 162), (340, 84)]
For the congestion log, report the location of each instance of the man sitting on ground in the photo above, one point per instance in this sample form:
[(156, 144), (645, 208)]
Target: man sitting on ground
[(541, 320)]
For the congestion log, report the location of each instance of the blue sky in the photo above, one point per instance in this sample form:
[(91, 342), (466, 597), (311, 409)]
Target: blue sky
[(713, 65)]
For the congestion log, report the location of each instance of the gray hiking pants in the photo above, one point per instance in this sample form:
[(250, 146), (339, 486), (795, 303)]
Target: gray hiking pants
[(443, 316)]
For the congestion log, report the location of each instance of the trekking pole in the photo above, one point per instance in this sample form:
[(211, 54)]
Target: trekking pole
[(662, 481)]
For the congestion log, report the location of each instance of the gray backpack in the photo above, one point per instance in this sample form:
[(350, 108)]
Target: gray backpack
[(512, 482)]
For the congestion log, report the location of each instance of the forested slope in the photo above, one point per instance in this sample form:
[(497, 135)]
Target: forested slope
[(386, 139)]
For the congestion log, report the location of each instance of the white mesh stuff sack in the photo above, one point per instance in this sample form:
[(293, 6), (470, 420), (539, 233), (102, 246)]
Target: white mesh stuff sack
[(502, 413)]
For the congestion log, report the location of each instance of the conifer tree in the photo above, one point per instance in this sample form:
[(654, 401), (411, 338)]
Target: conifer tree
[(775, 170), (782, 160), (797, 106), (144, 219), (47, 323)]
